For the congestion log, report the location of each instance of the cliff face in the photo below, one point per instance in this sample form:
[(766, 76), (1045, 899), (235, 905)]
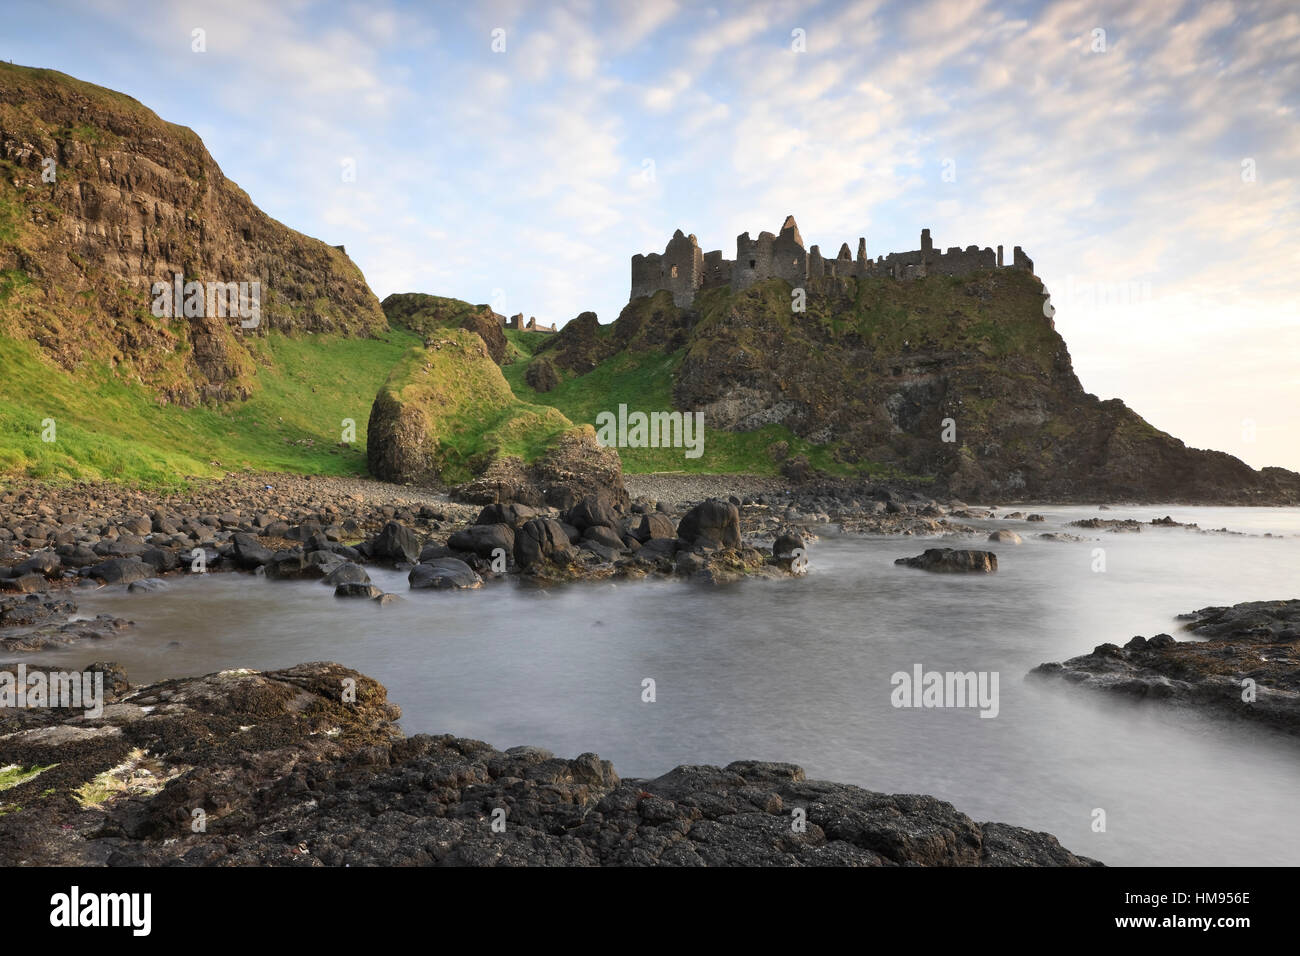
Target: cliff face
[(135, 200), (962, 378)]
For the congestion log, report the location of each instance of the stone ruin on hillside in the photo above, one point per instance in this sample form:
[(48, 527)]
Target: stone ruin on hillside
[(532, 325), (683, 269)]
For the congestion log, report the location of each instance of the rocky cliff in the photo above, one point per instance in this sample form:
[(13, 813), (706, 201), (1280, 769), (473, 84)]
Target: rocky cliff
[(960, 379), (100, 199)]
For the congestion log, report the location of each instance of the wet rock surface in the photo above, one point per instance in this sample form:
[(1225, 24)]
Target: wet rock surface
[(283, 768), (1248, 667), (952, 561), (54, 540)]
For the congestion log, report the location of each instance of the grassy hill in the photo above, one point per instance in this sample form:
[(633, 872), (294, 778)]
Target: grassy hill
[(110, 428), (138, 397)]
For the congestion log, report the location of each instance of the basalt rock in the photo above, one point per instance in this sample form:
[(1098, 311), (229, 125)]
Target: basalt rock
[(541, 539), (1248, 668), (290, 771), (653, 525), (484, 539), (396, 543), (444, 574), (953, 561), (713, 523)]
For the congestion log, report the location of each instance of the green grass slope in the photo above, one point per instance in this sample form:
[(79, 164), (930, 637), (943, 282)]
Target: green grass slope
[(107, 427)]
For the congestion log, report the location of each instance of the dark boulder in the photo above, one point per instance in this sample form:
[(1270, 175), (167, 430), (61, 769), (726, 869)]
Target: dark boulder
[(653, 525), (29, 583), (397, 543), (45, 563), (432, 551), (484, 539), (248, 552), (286, 565), (599, 534), (786, 545), (444, 573), (541, 539), (541, 375), (76, 555), (347, 573), (950, 560), (121, 571), (161, 559), (357, 589), (713, 523), (592, 511), (511, 513)]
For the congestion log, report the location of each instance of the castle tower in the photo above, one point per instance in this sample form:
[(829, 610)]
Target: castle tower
[(790, 231), (789, 259), (683, 268)]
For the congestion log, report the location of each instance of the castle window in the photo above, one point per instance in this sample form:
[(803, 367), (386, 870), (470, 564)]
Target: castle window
[(674, 272), (751, 263)]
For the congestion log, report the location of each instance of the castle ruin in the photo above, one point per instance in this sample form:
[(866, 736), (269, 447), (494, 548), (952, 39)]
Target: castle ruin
[(684, 270), (532, 325)]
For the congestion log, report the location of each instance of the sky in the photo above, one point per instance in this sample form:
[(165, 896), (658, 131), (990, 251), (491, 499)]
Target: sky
[(1145, 153)]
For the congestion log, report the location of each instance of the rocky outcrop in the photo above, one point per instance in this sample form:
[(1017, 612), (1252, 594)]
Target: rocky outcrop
[(486, 324), (713, 523), (446, 414), (429, 314), (1248, 668), (541, 375), (134, 201), (576, 466), (541, 539), (959, 379), (953, 561), (307, 767), (444, 574)]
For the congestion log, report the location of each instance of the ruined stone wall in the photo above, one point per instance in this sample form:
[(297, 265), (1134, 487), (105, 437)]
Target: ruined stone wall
[(717, 270), (647, 274), (960, 262), (789, 261), (816, 264), (684, 269)]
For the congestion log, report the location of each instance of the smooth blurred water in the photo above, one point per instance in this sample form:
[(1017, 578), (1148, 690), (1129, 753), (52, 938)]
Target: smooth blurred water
[(799, 670)]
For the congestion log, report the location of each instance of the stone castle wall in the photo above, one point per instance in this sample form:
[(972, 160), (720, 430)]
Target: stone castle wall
[(684, 270)]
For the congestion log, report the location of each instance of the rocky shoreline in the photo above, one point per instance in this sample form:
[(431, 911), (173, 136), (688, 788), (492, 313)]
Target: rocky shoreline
[(56, 539), (1247, 665), (307, 767)]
